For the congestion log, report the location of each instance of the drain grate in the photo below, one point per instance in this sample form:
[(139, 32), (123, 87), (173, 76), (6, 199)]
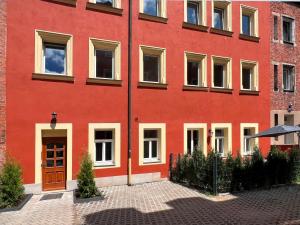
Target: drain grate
[(51, 196)]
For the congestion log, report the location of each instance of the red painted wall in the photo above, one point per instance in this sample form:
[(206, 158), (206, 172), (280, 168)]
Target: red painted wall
[(31, 101)]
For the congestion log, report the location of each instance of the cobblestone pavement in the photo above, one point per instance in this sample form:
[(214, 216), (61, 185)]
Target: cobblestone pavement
[(164, 203)]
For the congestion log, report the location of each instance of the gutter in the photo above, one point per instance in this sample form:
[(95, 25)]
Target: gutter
[(129, 131)]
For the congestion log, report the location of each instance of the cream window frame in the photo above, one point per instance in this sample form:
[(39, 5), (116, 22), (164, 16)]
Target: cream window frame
[(253, 65), (294, 77), (202, 127), (162, 142), (116, 3), (201, 13), (227, 136), (253, 126), (116, 128), (227, 62), (253, 13), (202, 59), (154, 51), (108, 45), (226, 5), (42, 36), (162, 8), (293, 20)]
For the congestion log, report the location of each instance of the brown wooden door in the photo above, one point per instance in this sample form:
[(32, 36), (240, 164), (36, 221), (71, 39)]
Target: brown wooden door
[(54, 163)]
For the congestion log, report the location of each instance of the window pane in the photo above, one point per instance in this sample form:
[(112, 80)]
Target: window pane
[(275, 28), (247, 132), (50, 163), (246, 78), (196, 139), (151, 7), (246, 24), (192, 12), (50, 146), (193, 73), (287, 29), (150, 133), (154, 149), (146, 149), (55, 56), (220, 147), (275, 77), (60, 162), (105, 2), (151, 68), (99, 151), (59, 154), (50, 154), (218, 75), (288, 78), (108, 151), (218, 18), (102, 135), (189, 141), (219, 133), (104, 64)]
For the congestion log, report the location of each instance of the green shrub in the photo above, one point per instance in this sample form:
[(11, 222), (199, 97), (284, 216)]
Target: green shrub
[(277, 167), (257, 171), (85, 179), (11, 185), (198, 164), (294, 166), (236, 183)]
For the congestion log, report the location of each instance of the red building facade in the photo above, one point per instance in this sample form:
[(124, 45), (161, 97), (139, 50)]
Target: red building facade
[(202, 83)]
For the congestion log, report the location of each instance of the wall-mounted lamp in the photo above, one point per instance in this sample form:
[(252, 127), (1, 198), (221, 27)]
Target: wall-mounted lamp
[(290, 107), (53, 117)]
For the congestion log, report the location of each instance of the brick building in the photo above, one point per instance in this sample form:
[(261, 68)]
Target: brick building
[(197, 77), (285, 64)]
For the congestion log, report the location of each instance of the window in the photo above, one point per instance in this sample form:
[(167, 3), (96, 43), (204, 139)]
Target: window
[(221, 15), (249, 21), (288, 29), (289, 121), (221, 72), (288, 77), (248, 144), (152, 64), (249, 76), (195, 12), (222, 138), (153, 7), (54, 58), (195, 137), (105, 59), (105, 144), (152, 143), (53, 53), (195, 69), (275, 77), (276, 123), (275, 27), (110, 3), (106, 2)]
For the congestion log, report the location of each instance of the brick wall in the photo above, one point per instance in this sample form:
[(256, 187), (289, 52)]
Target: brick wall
[(285, 53), (3, 32)]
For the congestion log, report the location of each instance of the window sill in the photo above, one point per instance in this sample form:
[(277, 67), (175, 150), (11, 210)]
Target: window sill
[(289, 43), (157, 19), (50, 77), (194, 27), (289, 91), (221, 32), (194, 88), (221, 90), (152, 85), (104, 8), (107, 166), (99, 81), (65, 2), (249, 38), (152, 163), (249, 92)]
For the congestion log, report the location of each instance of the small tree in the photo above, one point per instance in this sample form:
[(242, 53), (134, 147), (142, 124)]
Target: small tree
[(85, 179), (11, 185)]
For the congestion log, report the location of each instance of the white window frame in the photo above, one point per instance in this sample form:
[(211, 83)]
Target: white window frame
[(202, 60), (105, 45), (113, 69), (253, 66), (293, 78), (151, 159), (202, 128), (293, 35), (227, 71), (227, 127), (153, 51), (116, 154), (201, 13), (161, 153), (116, 3), (253, 13), (226, 5), (104, 141), (162, 8), (252, 126)]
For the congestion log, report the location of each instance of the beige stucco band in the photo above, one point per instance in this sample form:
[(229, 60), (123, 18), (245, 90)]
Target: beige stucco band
[(48, 130)]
